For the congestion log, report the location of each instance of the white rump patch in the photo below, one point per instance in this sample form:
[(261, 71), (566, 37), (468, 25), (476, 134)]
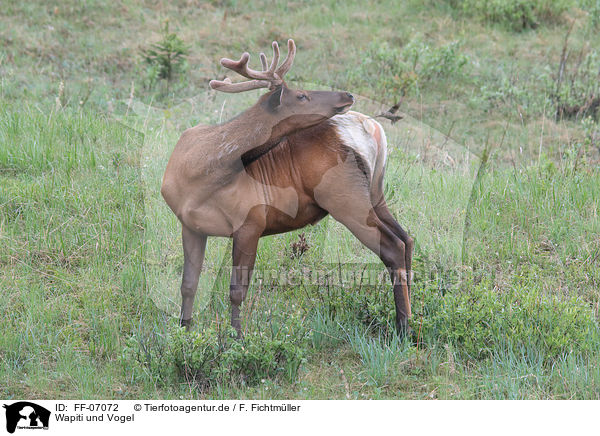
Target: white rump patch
[(358, 132)]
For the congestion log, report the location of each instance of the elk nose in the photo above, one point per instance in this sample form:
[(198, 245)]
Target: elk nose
[(350, 96)]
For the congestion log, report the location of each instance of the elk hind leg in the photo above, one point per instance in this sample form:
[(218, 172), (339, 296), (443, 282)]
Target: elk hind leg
[(384, 213), (379, 238)]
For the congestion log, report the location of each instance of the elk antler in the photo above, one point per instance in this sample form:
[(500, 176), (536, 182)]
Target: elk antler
[(270, 76)]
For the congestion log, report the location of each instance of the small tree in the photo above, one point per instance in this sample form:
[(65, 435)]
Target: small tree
[(167, 57)]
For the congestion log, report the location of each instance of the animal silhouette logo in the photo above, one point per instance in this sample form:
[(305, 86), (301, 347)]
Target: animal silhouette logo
[(24, 414)]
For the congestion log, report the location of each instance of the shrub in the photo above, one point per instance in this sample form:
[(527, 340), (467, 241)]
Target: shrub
[(575, 90), (370, 306), (212, 356), (569, 89), (480, 322), (592, 7), (516, 15), (401, 70), (208, 356)]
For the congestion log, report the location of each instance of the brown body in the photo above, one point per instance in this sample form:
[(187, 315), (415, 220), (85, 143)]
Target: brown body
[(279, 166)]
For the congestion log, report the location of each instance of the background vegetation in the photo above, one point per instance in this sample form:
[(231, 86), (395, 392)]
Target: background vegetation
[(494, 169)]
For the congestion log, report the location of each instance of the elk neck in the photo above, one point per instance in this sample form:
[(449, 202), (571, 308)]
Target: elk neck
[(257, 130)]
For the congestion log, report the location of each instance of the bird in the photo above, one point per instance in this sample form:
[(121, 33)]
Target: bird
[(390, 114)]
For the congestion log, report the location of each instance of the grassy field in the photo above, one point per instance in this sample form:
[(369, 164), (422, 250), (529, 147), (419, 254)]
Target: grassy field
[(494, 170)]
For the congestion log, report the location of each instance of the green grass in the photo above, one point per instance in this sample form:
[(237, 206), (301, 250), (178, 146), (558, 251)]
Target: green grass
[(90, 256), (72, 250)]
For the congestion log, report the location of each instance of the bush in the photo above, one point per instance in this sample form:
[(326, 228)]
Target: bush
[(213, 356), (569, 89), (576, 91), (369, 306), (592, 7), (401, 70), (480, 322), (208, 356), (516, 15)]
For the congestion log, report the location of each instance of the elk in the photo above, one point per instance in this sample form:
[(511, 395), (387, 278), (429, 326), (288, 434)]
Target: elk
[(286, 162)]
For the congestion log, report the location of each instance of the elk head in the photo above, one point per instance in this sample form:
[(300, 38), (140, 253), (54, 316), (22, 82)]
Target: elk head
[(286, 110)]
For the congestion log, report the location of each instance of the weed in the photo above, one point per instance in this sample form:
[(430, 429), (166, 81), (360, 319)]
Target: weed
[(326, 332), (382, 358), (299, 247)]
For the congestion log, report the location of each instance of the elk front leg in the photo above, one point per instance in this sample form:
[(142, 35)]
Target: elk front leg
[(245, 243), (194, 246)]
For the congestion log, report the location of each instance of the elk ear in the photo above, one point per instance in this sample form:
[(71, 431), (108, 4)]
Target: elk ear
[(275, 99)]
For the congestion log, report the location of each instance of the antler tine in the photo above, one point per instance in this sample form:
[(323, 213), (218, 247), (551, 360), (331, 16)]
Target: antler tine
[(241, 67), (263, 62), (275, 60), (289, 60), (270, 76), (227, 86)]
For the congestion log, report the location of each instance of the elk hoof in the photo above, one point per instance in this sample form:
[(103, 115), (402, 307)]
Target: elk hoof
[(187, 323)]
